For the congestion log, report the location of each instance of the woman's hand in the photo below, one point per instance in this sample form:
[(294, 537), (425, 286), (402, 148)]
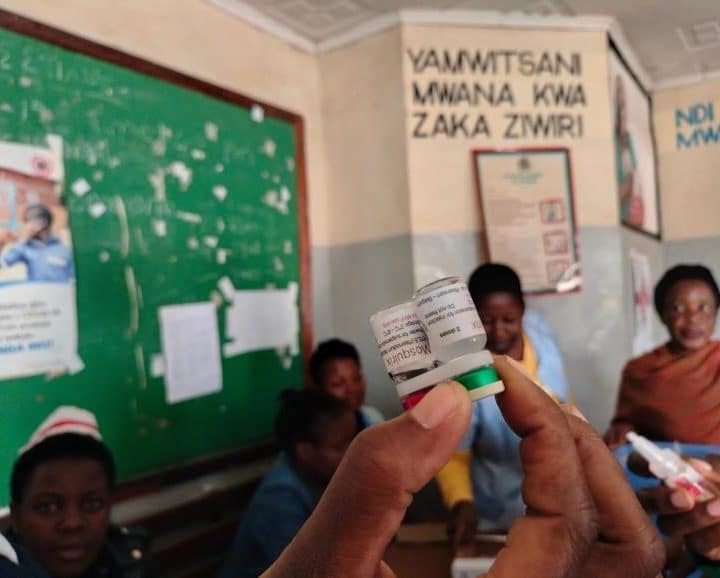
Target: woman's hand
[(615, 435), (582, 518), (681, 518)]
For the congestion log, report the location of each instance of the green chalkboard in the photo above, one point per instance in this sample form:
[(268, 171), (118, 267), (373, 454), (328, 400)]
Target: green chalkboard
[(128, 125)]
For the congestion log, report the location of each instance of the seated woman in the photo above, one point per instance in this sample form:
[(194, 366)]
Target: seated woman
[(673, 392), (335, 369), (481, 484), (61, 488), (314, 430)]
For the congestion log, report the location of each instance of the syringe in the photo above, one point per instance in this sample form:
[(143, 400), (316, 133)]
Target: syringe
[(672, 469)]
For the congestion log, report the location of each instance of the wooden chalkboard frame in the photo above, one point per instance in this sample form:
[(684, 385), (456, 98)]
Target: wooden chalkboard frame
[(71, 42)]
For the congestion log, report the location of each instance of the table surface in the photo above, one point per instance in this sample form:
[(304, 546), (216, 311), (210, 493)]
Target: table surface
[(432, 559)]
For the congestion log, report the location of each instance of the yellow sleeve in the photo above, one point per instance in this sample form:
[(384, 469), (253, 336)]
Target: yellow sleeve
[(454, 479)]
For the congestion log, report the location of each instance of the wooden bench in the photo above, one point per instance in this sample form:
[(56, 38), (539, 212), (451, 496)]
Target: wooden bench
[(193, 512)]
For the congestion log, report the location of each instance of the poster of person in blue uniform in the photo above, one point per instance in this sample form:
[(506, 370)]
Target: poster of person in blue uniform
[(634, 150), (38, 318)]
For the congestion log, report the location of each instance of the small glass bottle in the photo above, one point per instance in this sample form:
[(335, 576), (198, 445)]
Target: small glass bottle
[(457, 336), (403, 344), (450, 319)]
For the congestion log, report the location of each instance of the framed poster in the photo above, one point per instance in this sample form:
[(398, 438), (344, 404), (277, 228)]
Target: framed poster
[(634, 149), (642, 302), (528, 214)]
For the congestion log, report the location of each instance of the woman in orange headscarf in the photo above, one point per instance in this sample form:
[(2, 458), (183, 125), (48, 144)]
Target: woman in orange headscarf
[(673, 392)]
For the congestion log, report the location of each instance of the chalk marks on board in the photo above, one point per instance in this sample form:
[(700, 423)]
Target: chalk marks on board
[(157, 181), (269, 148), (189, 217), (278, 200), (211, 131), (121, 213), (142, 246), (157, 365), (44, 113), (257, 113), (182, 173), (97, 209), (132, 289), (159, 227), (80, 187), (159, 145), (220, 192), (140, 365), (211, 241)]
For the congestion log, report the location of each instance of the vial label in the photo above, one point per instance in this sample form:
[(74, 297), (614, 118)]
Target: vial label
[(449, 315), (401, 339)]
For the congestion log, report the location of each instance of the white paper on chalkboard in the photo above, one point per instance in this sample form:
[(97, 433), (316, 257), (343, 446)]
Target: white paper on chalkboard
[(191, 350), (263, 319)]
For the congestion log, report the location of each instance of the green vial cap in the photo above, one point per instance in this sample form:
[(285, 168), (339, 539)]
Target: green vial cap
[(478, 378)]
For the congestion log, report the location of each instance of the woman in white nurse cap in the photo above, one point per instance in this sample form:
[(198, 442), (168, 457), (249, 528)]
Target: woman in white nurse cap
[(60, 495)]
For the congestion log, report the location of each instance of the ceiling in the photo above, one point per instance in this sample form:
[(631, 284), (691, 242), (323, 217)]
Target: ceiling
[(672, 38)]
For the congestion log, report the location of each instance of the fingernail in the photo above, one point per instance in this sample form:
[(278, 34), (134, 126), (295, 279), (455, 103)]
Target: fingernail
[(572, 409), (713, 508), (700, 465), (521, 368), (439, 404), (681, 500)]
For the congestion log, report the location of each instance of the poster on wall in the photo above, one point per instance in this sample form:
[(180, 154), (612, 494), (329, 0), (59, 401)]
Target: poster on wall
[(642, 303), (38, 317), (634, 150), (528, 213)]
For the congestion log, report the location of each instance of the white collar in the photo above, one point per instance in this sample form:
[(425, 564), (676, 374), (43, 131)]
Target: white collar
[(7, 551)]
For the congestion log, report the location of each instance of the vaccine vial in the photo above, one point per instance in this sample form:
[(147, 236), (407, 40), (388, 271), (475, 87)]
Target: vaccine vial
[(402, 341), (450, 319), (435, 337)]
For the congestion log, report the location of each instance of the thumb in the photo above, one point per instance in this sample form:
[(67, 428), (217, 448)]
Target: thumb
[(366, 500)]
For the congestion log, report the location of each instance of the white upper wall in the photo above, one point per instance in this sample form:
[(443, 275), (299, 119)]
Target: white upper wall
[(363, 108), (573, 106), (687, 129)]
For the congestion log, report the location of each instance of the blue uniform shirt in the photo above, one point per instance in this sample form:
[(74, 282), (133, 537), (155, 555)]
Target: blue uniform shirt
[(368, 415), (495, 468), (50, 262), (281, 505), (15, 563)]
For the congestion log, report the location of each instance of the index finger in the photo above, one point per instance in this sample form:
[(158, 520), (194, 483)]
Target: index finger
[(629, 545), (365, 502), (560, 526)]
